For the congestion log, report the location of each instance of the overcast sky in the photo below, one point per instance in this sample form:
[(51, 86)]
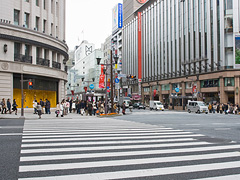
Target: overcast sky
[(93, 17)]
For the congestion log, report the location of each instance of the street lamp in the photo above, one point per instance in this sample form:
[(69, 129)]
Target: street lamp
[(111, 66)]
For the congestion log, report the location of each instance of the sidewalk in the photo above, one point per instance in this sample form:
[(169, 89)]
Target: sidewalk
[(28, 114)]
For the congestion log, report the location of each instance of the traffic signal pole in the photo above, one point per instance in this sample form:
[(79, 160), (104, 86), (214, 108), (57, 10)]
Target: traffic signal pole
[(22, 100)]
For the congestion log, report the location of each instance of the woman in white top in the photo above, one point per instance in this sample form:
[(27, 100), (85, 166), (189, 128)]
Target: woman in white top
[(61, 109)]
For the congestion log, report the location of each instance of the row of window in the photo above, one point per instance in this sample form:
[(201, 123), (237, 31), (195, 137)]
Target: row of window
[(26, 22), (42, 55), (44, 4), (204, 84)]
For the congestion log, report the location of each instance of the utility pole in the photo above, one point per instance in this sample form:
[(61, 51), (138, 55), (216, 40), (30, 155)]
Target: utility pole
[(111, 62)]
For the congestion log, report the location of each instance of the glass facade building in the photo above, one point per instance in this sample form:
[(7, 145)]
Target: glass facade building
[(183, 42)]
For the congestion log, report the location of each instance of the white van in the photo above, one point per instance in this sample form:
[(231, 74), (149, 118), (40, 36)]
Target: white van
[(197, 107), (156, 105), (126, 103)]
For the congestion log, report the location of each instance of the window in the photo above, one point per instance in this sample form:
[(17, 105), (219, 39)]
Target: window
[(16, 17), (17, 48), (52, 8), (27, 50), (228, 4), (44, 4), (37, 23), (37, 3), (229, 82), (44, 25), (210, 83), (26, 20), (26, 0)]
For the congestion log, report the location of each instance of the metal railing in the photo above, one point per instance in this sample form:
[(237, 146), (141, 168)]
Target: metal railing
[(56, 65), (23, 58), (43, 62)]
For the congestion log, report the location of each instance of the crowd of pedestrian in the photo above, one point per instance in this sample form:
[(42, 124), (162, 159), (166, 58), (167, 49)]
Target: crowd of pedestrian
[(85, 108), (8, 107), (224, 108)]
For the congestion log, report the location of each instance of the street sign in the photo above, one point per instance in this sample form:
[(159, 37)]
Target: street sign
[(122, 75), (177, 90), (91, 86), (116, 80), (139, 80)]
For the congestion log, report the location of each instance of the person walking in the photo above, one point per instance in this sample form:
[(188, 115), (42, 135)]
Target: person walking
[(14, 105), (221, 108), (70, 108), (61, 109), (57, 109), (90, 108), (34, 106), (42, 104), (47, 106), (82, 107), (124, 109), (9, 106), (94, 108), (39, 110), (4, 109)]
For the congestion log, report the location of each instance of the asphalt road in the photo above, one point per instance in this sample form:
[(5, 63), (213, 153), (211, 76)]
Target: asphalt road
[(140, 145), (10, 144), (219, 126)]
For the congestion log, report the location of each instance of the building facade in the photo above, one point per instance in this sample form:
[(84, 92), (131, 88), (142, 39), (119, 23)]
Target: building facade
[(84, 73), (189, 50), (32, 43)]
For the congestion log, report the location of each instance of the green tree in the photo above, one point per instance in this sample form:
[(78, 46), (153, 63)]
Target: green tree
[(237, 56)]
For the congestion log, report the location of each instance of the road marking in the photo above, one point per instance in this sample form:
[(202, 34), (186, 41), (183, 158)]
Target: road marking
[(192, 124), (222, 129), (111, 138), (11, 134), (107, 142), (64, 166), (232, 177), (129, 153), (115, 133), (119, 147), (146, 172)]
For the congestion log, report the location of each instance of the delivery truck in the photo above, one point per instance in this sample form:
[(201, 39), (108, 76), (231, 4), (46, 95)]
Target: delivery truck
[(156, 105)]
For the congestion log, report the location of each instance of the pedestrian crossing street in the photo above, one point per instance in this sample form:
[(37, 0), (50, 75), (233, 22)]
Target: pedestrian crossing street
[(92, 148)]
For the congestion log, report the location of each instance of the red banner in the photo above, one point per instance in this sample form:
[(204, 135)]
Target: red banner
[(101, 81), (139, 45), (102, 67)]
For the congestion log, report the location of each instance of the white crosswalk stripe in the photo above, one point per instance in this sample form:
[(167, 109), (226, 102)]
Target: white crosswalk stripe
[(107, 148)]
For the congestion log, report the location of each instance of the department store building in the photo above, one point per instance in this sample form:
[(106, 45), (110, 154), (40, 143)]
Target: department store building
[(32, 43), (182, 50)]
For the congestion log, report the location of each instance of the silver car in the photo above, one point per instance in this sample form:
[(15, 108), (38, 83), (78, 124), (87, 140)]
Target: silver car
[(197, 107)]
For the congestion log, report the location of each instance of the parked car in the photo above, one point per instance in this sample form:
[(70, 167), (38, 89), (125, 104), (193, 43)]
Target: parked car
[(136, 105), (197, 107), (142, 106)]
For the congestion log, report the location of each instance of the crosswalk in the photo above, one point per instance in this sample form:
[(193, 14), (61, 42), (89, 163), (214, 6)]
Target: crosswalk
[(90, 148)]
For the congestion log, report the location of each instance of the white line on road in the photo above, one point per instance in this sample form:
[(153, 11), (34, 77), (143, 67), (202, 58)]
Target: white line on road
[(11, 134), (146, 172), (119, 147), (129, 153), (64, 166), (232, 177), (222, 129), (107, 142), (111, 138)]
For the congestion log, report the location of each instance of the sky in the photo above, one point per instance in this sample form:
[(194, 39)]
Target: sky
[(89, 20)]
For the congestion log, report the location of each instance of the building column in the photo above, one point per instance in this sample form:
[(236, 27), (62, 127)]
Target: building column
[(183, 93), (34, 55), (50, 58), (171, 91), (223, 94), (236, 94), (151, 93), (199, 98), (160, 93)]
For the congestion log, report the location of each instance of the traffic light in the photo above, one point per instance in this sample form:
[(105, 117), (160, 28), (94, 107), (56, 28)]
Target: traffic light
[(30, 85)]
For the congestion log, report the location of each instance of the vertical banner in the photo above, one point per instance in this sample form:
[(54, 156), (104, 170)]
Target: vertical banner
[(139, 45), (101, 81), (102, 67)]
